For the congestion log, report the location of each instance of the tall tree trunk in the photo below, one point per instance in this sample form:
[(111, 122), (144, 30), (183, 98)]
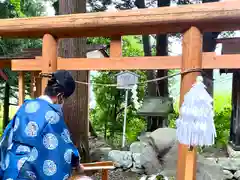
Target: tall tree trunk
[(162, 50), (6, 105), (209, 45), (151, 74), (76, 108), (151, 87), (162, 86)]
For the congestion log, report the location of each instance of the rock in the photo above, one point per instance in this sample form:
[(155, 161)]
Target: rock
[(154, 177), (100, 154), (137, 160), (213, 160), (137, 147), (227, 174), (149, 160), (169, 161), (143, 135), (237, 174), (229, 163), (206, 169), (138, 171), (232, 153), (137, 166), (163, 139), (122, 159)]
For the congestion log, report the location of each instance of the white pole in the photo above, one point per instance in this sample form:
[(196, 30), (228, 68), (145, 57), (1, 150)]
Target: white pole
[(125, 119)]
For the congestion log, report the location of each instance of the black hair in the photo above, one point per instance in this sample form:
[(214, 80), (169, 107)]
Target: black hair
[(53, 88), (62, 82)]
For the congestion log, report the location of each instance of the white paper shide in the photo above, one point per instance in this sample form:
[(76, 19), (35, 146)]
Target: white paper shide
[(195, 125)]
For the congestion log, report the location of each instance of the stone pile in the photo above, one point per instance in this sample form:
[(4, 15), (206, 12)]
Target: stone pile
[(156, 153), (230, 166)]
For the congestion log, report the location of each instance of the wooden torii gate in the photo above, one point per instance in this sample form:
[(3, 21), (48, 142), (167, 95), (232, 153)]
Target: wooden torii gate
[(191, 20)]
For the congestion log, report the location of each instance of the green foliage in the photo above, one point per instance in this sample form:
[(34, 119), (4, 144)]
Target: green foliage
[(13, 47), (222, 105), (17, 6), (107, 117)]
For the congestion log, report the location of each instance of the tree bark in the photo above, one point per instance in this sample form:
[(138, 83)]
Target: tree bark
[(162, 50), (151, 87), (151, 74), (6, 105), (76, 108), (161, 86), (209, 45)]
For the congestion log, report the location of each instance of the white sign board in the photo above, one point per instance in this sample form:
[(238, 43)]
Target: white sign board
[(126, 80)]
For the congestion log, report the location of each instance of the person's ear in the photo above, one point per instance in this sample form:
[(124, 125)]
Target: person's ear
[(60, 98)]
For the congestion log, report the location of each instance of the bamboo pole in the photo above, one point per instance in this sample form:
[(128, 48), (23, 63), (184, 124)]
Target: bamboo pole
[(191, 58)]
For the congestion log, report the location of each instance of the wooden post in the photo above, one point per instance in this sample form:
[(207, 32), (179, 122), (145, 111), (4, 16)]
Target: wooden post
[(104, 174), (116, 47), (21, 88), (49, 54), (191, 58)]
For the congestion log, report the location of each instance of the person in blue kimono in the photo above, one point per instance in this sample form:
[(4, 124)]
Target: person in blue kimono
[(36, 144)]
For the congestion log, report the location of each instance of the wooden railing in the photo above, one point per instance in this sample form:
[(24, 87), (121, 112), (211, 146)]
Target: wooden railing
[(104, 167)]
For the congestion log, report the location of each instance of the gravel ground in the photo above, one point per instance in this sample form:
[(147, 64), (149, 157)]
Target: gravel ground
[(117, 175)]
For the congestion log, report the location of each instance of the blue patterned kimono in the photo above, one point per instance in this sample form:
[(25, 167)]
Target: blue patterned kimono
[(36, 144)]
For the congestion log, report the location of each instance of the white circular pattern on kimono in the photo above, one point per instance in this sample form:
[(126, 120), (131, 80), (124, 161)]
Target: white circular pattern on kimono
[(31, 174), (31, 129), (22, 149), (16, 125), (32, 107), (21, 162), (52, 117), (33, 155), (9, 179), (50, 141), (68, 156), (66, 177), (49, 168), (66, 136)]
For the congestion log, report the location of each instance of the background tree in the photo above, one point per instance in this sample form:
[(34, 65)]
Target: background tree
[(209, 45), (13, 47), (76, 108)]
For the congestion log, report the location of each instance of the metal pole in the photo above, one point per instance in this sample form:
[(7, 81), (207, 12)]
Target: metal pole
[(125, 119)]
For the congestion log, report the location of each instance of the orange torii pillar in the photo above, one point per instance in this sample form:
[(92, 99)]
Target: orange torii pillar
[(191, 58), (21, 88), (49, 57)]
